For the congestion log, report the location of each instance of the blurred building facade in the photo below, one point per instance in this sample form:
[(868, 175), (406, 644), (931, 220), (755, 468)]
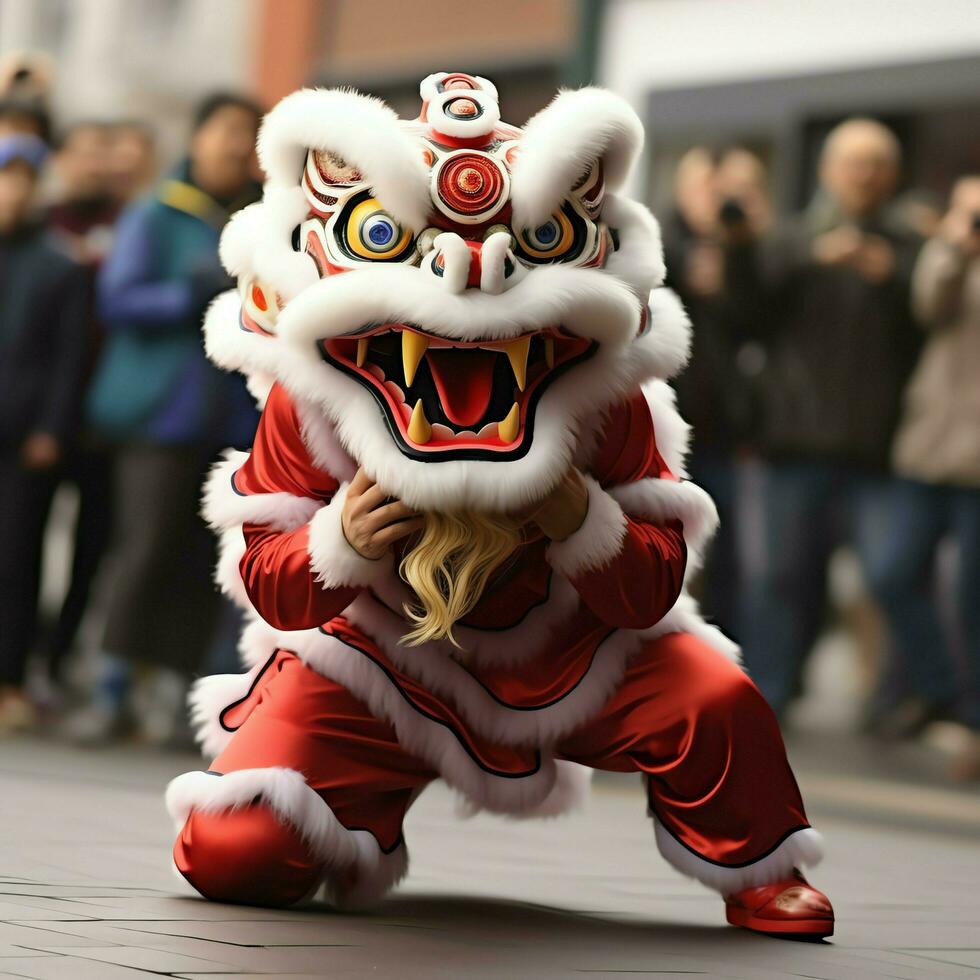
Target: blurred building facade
[(152, 59), (773, 75), (140, 59)]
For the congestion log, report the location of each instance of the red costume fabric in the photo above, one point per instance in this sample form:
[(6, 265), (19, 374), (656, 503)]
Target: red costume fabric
[(633, 592), (694, 725)]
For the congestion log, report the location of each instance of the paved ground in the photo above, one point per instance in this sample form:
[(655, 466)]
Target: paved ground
[(86, 891)]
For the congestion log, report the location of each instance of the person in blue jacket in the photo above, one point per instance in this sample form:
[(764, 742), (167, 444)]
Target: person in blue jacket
[(163, 408)]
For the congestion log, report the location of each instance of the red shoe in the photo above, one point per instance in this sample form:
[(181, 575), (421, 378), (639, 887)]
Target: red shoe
[(789, 908)]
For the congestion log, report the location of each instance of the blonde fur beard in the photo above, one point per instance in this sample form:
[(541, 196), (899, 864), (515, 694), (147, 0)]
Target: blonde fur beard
[(449, 567)]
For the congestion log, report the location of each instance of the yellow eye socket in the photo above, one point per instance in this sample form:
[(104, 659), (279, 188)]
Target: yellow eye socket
[(372, 233), (550, 240)]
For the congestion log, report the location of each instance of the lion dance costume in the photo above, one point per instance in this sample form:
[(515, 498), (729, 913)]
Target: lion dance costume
[(464, 310)]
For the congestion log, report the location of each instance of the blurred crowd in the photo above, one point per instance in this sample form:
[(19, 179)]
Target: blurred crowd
[(106, 268), (834, 392)]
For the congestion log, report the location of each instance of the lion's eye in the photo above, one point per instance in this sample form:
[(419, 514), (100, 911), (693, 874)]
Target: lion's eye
[(549, 241), (372, 233)]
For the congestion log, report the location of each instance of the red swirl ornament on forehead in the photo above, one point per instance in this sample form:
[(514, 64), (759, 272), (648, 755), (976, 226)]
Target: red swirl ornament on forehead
[(470, 184)]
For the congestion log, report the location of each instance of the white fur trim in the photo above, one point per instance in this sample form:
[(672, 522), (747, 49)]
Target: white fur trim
[(483, 715), (801, 849), (257, 243), (208, 697), (418, 734), (286, 792), (570, 793), (668, 333), (510, 647), (685, 617), (259, 386), (223, 507), (448, 679), (597, 542), (672, 432), (376, 873), (362, 130), (569, 411), (227, 570), (232, 348), (332, 558), (658, 501), (587, 302), (562, 140), (226, 511), (572, 404), (639, 260)]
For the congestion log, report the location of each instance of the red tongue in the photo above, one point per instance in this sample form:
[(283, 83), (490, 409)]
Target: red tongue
[(464, 381)]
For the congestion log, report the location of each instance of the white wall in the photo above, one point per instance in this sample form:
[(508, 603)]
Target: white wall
[(666, 43), (653, 44)]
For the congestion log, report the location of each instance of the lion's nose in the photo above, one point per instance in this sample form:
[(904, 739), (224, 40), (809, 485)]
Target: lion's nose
[(475, 274), (463, 264)]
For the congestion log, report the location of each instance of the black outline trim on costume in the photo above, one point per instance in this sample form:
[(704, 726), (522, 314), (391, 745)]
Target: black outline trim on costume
[(719, 864), (439, 721), (323, 496), (505, 704), (399, 840), (247, 695), (549, 704)]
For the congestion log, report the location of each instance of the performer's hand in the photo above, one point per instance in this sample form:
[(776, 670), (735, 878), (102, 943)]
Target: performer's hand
[(40, 451), (563, 511), (372, 520)]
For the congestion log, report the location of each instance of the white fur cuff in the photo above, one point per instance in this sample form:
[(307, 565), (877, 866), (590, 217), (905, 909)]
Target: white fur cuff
[(800, 849), (597, 542), (332, 558), (289, 796)]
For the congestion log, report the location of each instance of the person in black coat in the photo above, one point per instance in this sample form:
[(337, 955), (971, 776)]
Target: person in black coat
[(839, 346), (43, 359)]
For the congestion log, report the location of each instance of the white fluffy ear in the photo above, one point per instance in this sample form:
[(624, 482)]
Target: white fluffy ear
[(563, 140), (257, 242), (362, 130)]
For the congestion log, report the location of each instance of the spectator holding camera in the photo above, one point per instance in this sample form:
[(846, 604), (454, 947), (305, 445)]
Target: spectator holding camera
[(937, 451), (840, 345), (720, 208)]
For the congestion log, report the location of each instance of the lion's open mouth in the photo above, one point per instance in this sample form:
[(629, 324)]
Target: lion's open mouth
[(456, 399)]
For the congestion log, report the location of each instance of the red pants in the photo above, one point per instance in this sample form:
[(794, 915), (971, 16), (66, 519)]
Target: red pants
[(692, 722)]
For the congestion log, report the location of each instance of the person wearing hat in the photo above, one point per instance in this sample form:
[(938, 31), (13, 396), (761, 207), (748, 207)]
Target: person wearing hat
[(43, 340)]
